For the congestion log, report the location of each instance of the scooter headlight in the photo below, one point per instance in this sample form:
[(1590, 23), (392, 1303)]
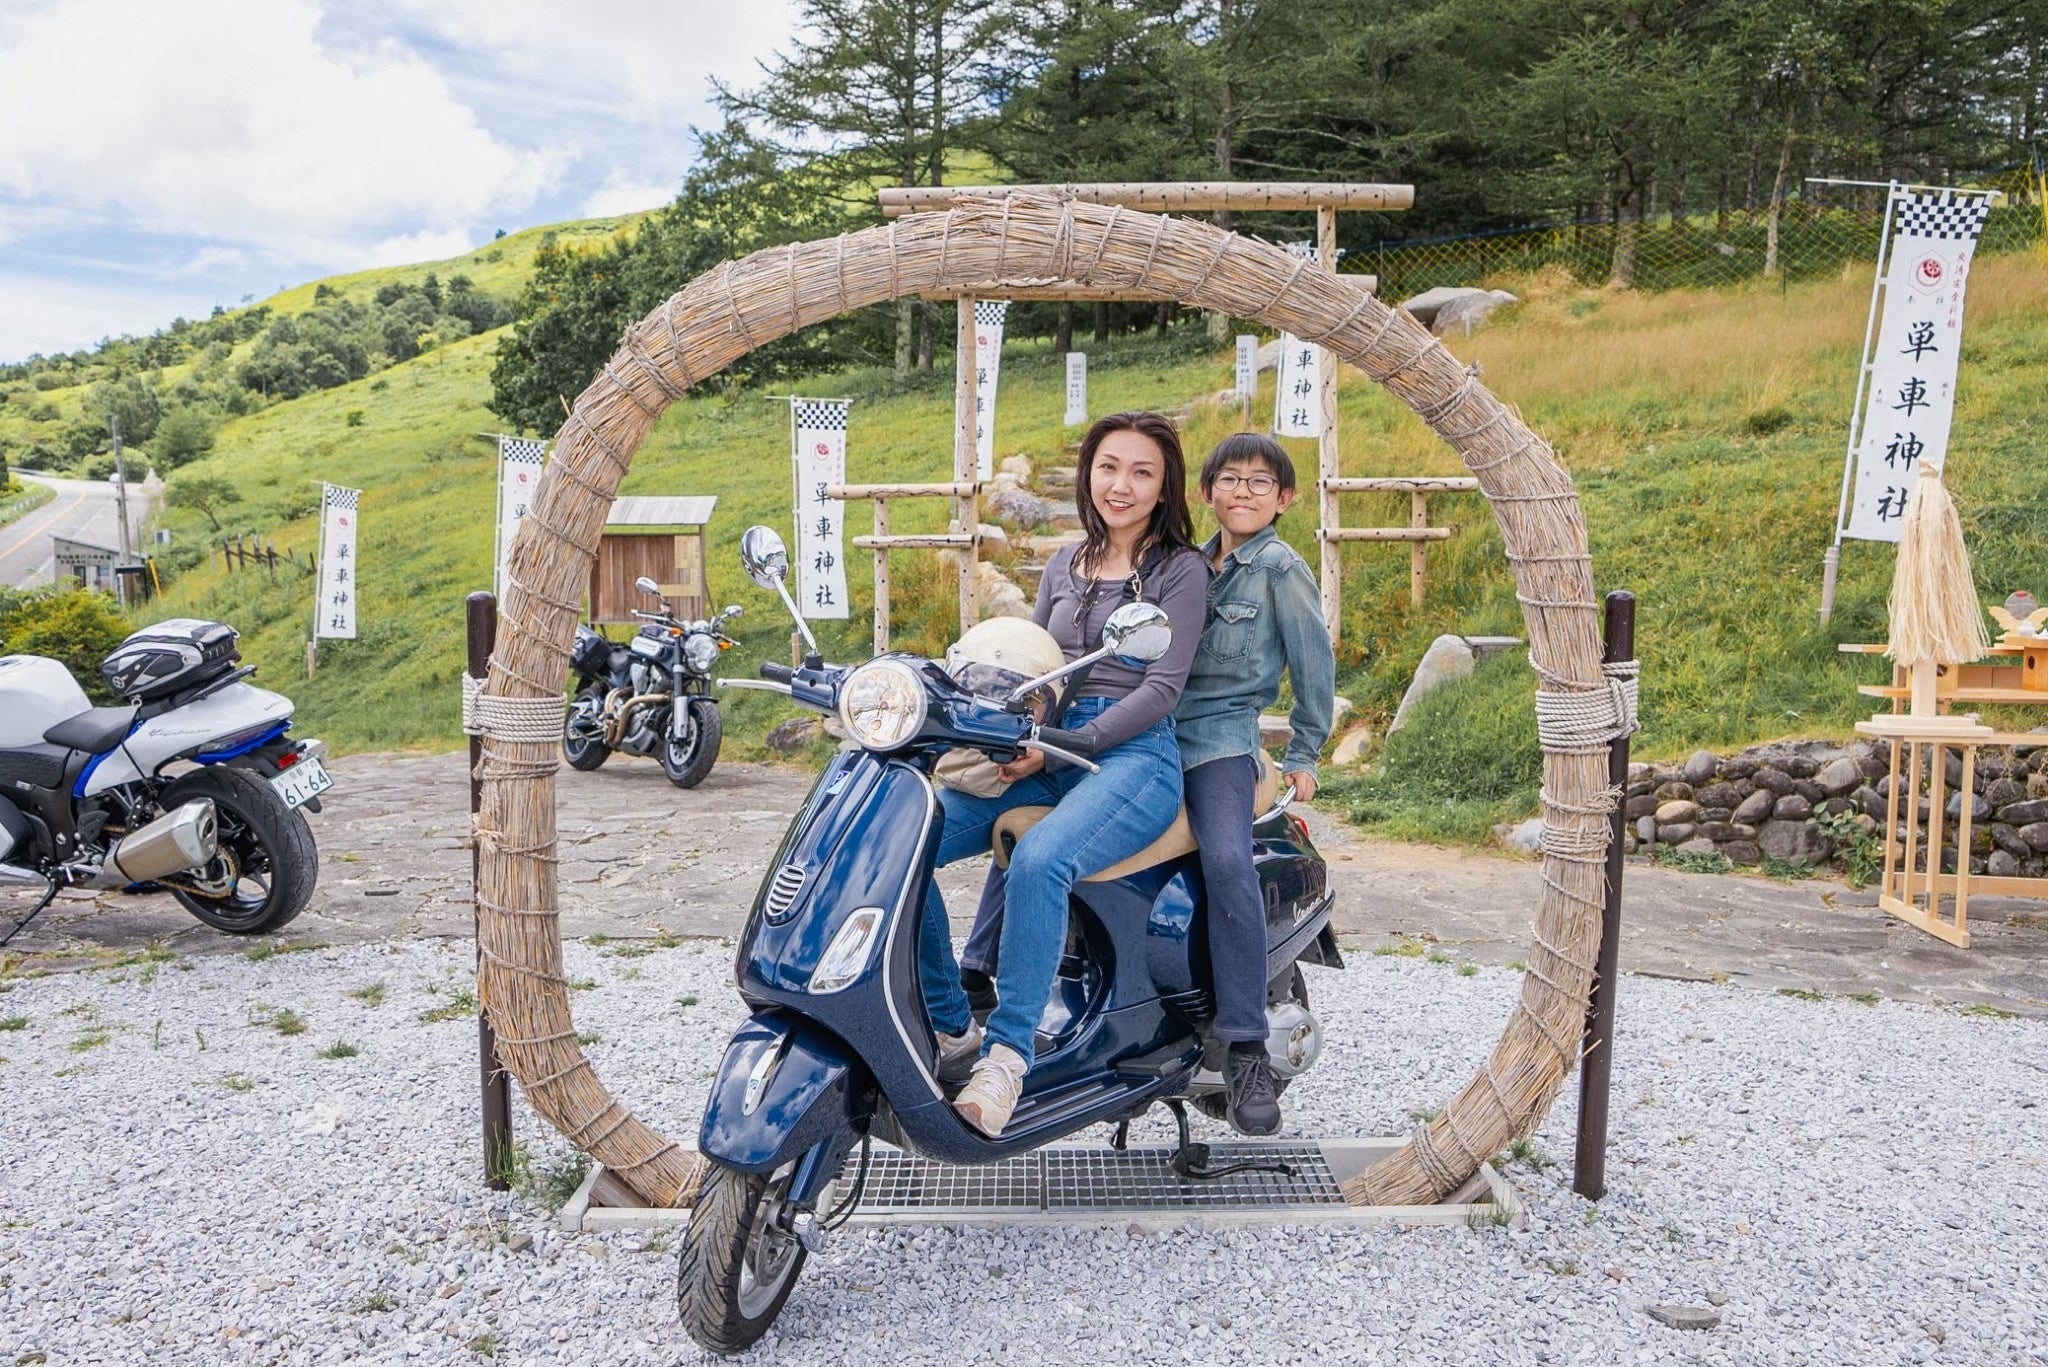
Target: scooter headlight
[(847, 955), (882, 704), (700, 653)]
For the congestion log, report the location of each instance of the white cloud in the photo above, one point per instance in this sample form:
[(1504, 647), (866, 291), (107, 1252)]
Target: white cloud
[(431, 245), (55, 315), (621, 195), (228, 120), (650, 61)]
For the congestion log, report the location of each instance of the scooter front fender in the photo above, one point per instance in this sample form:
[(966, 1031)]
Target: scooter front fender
[(785, 1086)]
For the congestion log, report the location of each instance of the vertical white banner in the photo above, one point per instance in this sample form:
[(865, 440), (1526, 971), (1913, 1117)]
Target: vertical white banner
[(818, 457), (1297, 405), (334, 616), (519, 465), (1910, 401), (1247, 366), (988, 363), (1077, 388)]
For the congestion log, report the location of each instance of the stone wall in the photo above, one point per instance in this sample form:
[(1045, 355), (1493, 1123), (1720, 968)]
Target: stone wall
[(1770, 800)]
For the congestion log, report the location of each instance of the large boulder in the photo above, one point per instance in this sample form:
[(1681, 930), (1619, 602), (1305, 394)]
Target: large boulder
[(1468, 312), (1795, 842), (1019, 507), (1425, 307), (1447, 658)]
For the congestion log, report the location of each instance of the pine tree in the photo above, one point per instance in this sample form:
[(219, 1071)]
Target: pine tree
[(880, 91)]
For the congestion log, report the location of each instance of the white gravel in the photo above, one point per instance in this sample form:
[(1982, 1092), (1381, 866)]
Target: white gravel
[(1861, 1183)]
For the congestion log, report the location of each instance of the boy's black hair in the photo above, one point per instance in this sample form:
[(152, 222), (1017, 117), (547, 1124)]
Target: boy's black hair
[(1251, 448)]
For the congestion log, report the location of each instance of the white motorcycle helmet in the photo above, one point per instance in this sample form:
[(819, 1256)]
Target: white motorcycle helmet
[(997, 655)]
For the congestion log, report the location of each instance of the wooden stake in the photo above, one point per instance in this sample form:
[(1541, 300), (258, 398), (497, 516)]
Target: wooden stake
[(967, 509), (881, 578), (1418, 551), (1327, 462)]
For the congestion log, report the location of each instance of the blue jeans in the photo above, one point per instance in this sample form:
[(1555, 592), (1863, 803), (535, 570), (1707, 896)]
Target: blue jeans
[(1096, 820)]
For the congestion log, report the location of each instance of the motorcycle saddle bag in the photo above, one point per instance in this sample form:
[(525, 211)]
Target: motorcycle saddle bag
[(1178, 839), (169, 657)]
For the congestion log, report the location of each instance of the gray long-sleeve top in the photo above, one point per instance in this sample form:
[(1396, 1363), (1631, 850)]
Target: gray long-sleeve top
[(1180, 586)]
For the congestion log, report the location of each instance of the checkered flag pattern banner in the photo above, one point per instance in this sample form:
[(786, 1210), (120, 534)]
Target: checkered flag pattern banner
[(519, 467), (988, 366), (1910, 395), (334, 611), (817, 453), (1941, 216), (822, 415)]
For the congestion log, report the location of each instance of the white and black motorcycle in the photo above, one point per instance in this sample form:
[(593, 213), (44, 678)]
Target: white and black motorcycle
[(650, 696), (192, 786)]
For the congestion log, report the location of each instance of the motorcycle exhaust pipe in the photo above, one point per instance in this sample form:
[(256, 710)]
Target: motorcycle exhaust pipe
[(177, 841)]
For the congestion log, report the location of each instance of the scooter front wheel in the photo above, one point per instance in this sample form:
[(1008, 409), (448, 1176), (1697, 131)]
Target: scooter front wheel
[(738, 1262)]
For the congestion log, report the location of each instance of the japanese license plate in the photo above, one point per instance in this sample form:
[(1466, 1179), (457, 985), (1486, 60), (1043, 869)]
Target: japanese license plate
[(302, 782)]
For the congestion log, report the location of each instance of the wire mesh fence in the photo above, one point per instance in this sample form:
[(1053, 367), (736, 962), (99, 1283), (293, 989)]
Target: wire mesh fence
[(1811, 239)]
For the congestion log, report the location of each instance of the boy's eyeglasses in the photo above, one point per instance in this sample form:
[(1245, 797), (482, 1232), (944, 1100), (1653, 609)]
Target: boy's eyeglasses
[(1257, 485)]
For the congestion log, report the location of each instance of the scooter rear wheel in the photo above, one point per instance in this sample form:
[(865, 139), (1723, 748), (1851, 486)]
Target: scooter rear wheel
[(736, 1267)]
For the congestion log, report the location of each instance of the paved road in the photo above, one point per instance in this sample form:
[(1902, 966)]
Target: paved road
[(84, 510), (640, 857)]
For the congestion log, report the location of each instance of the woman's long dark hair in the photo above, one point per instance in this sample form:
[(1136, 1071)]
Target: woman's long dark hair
[(1170, 526)]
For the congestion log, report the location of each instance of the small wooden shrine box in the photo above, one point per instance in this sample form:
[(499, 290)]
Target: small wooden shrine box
[(662, 538)]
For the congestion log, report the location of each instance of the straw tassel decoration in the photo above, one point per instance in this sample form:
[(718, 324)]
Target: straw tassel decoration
[(1936, 618)]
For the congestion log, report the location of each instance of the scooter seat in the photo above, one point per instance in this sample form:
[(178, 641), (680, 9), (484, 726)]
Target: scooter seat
[(95, 730), (1179, 838)]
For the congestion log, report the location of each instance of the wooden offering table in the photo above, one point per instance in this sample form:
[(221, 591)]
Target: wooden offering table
[(2025, 682), (1914, 884)]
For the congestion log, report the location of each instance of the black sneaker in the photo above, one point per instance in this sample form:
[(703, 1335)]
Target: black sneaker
[(1254, 1094)]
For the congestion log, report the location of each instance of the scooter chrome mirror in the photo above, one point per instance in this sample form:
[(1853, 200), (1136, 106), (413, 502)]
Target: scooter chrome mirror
[(764, 557), (767, 563), (647, 586), (1137, 633)]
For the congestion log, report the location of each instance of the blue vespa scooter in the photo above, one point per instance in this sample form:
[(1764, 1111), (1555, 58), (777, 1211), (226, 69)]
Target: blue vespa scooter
[(839, 1051)]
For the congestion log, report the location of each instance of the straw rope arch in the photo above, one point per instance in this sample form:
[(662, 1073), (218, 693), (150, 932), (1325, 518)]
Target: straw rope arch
[(727, 312)]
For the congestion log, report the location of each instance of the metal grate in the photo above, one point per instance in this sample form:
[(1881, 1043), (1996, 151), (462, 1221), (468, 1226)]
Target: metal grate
[(1078, 1181), (788, 882)]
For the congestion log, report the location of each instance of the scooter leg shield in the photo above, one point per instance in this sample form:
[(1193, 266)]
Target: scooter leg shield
[(784, 1087)]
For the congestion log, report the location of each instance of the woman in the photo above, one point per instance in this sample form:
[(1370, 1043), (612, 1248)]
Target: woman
[(1131, 492)]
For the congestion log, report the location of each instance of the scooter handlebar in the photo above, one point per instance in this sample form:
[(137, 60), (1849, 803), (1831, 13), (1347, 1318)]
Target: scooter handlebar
[(780, 673), (1075, 742)]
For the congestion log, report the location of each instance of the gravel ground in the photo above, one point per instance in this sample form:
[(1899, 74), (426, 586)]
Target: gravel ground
[(182, 1181)]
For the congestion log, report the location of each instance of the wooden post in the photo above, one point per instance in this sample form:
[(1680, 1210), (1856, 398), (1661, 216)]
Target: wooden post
[(1326, 445), (270, 557), (881, 579), (482, 612), (1596, 1066), (966, 510), (1418, 554)]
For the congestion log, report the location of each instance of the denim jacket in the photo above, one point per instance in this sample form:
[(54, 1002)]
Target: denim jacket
[(1264, 614)]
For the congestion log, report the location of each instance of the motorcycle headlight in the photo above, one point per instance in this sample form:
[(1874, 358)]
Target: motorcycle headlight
[(882, 704), (699, 652)]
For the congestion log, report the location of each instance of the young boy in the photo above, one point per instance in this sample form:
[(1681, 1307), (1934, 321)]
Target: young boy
[(1264, 615)]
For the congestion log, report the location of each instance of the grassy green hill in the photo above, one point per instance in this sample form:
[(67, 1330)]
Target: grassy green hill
[(501, 267), (1705, 431)]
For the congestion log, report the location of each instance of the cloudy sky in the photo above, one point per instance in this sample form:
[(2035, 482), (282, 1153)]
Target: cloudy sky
[(158, 157)]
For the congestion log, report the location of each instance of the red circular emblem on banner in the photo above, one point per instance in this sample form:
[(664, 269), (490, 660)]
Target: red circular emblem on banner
[(1930, 269), (823, 449)]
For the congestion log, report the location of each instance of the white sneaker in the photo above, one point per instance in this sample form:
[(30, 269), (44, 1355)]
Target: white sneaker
[(957, 1053), (991, 1093)]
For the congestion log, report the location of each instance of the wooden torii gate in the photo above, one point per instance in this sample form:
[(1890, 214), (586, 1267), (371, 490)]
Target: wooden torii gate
[(1327, 200)]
